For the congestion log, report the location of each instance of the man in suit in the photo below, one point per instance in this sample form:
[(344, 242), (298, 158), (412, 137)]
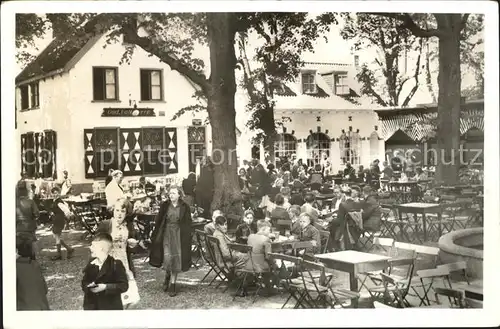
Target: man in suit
[(371, 210), (104, 278), (339, 225)]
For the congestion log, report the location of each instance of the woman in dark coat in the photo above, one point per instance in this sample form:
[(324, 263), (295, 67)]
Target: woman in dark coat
[(171, 239), (205, 188)]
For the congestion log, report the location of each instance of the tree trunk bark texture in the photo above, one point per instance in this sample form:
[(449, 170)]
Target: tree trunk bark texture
[(221, 111), (449, 99)]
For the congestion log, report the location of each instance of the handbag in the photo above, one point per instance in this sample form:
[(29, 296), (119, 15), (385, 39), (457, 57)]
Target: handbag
[(131, 296)]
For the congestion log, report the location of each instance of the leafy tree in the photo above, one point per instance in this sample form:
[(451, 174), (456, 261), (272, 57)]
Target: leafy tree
[(392, 43), (449, 30), (283, 38)]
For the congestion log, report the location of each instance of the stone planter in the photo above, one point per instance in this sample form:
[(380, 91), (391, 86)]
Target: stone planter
[(464, 245)]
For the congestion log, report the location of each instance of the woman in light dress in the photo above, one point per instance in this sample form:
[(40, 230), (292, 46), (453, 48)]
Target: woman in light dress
[(125, 242)]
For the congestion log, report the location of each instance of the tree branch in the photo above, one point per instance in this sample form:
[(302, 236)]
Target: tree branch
[(417, 73), (130, 31), (409, 23), (465, 17)]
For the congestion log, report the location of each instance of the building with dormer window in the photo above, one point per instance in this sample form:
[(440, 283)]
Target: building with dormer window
[(323, 116)]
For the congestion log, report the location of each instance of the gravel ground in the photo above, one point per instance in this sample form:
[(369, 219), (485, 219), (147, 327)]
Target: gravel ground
[(64, 277)]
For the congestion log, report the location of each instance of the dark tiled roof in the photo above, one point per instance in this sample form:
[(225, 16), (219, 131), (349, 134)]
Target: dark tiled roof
[(58, 53)]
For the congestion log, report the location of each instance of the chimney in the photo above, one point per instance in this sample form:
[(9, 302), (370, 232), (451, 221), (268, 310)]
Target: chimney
[(356, 61)]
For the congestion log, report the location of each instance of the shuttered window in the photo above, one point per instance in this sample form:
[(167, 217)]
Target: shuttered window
[(105, 83), (151, 85)]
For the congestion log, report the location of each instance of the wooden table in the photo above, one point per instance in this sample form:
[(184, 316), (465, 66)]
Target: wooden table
[(421, 208), (354, 262)]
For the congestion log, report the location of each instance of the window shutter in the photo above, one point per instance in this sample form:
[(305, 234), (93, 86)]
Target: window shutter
[(130, 155), (89, 145), (30, 155), (145, 85), (38, 148), (25, 101), (49, 163), (171, 166), (23, 152), (98, 83)]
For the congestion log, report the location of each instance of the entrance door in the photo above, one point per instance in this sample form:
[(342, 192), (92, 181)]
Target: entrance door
[(196, 145)]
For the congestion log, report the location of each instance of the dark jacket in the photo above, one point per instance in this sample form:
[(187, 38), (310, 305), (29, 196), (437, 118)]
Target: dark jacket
[(31, 287), (350, 171), (188, 186), (156, 249), (345, 207), (242, 232), (371, 214), (26, 216), (105, 227), (113, 275)]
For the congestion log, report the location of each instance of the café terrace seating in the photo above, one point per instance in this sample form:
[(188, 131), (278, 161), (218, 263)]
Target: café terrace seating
[(309, 281)]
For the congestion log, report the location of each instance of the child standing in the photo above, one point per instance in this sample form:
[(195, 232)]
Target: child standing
[(60, 209), (104, 278)]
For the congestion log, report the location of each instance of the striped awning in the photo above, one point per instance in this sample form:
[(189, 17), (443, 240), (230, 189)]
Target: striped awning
[(421, 125)]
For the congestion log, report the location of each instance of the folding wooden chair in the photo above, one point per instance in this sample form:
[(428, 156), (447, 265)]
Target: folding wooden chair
[(317, 289), (88, 217), (403, 282), (298, 246), (207, 258), (282, 225), (454, 268), (325, 238), (242, 274), (428, 277), (285, 272), (387, 244), (455, 297), (224, 269), (393, 296), (389, 223)]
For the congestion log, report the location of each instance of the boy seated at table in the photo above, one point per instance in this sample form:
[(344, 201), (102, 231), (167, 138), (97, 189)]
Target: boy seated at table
[(209, 228), (309, 208), (244, 229), (309, 233), (294, 213), (261, 247), (104, 278), (279, 212)]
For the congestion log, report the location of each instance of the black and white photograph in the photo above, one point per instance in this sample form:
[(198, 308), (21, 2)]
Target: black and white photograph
[(277, 163)]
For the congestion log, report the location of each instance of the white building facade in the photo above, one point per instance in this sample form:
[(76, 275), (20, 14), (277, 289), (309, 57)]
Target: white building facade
[(84, 111), (322, 116)]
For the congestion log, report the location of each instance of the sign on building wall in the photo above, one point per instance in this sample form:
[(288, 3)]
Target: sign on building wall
[(128, 112)]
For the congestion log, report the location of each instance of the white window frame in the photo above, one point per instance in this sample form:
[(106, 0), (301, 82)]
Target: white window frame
[(344, 85), (313, 83)]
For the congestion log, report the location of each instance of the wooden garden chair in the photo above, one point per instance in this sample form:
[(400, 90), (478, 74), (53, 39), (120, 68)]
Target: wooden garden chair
[(455, 297), (225, 270), (285, 271), (203, 247), (242, 274)]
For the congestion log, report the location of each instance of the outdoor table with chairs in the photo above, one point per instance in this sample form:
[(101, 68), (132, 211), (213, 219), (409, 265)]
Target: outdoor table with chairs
[(406, 191), (354, 263), (419, 208)]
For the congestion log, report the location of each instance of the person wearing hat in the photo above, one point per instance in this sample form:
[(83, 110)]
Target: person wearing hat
[(113, 190), (66, 184)]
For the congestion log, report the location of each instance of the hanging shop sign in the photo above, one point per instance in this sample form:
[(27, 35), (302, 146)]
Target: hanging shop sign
[(128, 112)]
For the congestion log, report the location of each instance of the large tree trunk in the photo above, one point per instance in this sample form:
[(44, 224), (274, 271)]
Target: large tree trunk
[(449, 99), (227, 194)]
